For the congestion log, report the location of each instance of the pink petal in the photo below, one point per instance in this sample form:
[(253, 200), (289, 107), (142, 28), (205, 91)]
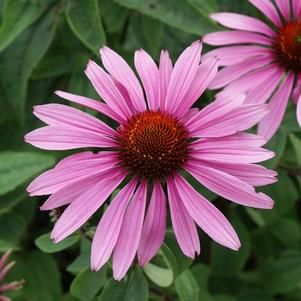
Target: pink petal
[(299, 111), (271, 122), (91, 104), (165, 70), (84, 206), (154, 227), (229, 186), (253, 174), (296, 8), (241, 22), (238, 120), (61, 115), (149, 74), (108, 229), (285, 8), (182, 75), (70, 192), (221, 38), (55, 179), (214, 111), (269, 10), (252, 79), (182, 223), (204, 75), (239, 154), (76, 158), (262, 92), (230, 55), (130, 233), (107, 90), (233, 72), (122, 72), (62, 138), (209, 218)]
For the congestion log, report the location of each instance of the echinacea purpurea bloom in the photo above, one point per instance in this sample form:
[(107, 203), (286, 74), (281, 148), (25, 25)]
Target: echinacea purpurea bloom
[(263, 60), (155, 140)]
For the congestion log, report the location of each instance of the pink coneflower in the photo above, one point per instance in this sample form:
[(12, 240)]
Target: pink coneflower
[(4, 269), (265, 61), (154, 141)]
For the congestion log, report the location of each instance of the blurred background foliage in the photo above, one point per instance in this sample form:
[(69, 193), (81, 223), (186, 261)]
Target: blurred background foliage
[(45, 46)]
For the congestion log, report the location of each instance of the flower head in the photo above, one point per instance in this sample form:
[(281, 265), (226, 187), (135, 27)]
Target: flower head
[(4, 269), (263, 60), (155, 140)]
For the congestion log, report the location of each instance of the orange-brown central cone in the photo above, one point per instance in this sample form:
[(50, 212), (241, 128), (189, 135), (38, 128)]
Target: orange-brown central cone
[(153, 145), (288, 46)]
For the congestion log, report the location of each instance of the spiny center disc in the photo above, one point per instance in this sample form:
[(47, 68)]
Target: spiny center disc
[(152, 145)]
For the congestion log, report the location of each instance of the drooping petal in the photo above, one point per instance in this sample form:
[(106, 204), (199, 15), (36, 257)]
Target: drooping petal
[(204, 75), (65, 116), (233, 72), (229, 186), (277, 105), (62, 138), (296, 8), (122, 72), (149, 74), (182, 223), (84, 206), (262, 92), (107, 90), (154, 227), (269, 10), (253, 174), (182, 76), (55, 179), (108, 229), (130, 233), (230, 55), (285, 8), (299, 111), (241, 22), (91, 104), (208, 217), (221, 38), (165, 70), (239, 119)]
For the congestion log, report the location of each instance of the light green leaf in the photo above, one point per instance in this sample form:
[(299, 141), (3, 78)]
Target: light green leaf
[(18, 61), (179, 14), (18, 15), (87, 284), (187, 287), (45, 244), (163, 277), (19, 167), (85, 21)]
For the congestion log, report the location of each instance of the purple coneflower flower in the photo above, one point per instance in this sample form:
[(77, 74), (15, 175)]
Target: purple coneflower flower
[(4, 269), (155, 140), (265, 61)]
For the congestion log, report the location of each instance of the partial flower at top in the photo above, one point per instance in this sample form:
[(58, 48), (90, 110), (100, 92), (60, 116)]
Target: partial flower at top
[(4, 269), (265, 62), (155, 140)]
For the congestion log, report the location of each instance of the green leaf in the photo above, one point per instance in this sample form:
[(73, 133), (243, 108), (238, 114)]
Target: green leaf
[(87, 284), (296, 142), (17, 16), (204, 6), (289, 123), (201, 274), (11, 199), (18, 61), (179, 14), (5, 246), (45, 243), (187, 287), (133, 289), (224, 298), (85, 21), (19, 167), (163, 277), (283, 275)]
